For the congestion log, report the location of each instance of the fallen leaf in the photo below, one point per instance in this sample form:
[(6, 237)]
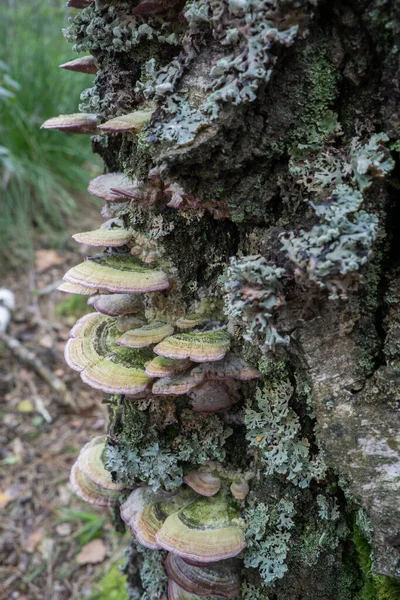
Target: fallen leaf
[(25, 406), (33, 540), (93, 552), (46, 259)]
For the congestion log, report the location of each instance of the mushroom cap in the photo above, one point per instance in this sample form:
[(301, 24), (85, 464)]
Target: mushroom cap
[(75, 123), (113, 237), (77, 288), (230, 367), (191, 320), (203, 482), (176, 386), (219, 579), (89, 478), (198, 347), (103, 185), (133, 122), (145, 511), (117, 273), (240, 490), (166, 367), (115, 305), (212, 397), (205, 530), (152, 333), (83, 64), (131, 321), (103, 364)]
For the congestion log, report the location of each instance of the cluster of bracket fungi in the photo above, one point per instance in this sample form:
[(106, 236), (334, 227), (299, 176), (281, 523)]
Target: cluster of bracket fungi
[(117, 351)]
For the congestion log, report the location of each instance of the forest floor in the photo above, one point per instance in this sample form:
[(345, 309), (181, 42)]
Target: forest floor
[(52, 545)]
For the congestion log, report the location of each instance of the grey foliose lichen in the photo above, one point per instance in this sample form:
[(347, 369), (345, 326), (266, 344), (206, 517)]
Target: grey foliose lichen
[(331, 253), (274, 430), (251, 288)]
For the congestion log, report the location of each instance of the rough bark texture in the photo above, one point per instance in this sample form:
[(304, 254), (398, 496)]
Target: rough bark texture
[(326, 481)]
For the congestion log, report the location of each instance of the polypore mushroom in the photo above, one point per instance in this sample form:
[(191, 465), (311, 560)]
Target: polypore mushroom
[(89, 478), (77, 288), (152, 333), (83, 64), (220, 579), (75, 123), (176, 386), (212, 397), (112, 237), (117, 273), (240, 490), (206, 530), (133, 122), (103, 186), (166, 367), (115, 305), (127, 322), (145, 511), (199, 347), (203, 482), (191, 321), (103, 364), (230, 367)]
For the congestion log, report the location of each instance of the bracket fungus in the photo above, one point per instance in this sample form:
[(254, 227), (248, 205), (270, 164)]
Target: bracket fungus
[(104, 186), (219, 579), (103, 364), (83, 64), (166, 367), (205, 530), (203, 482), (112, 237), (77, 288), (212, 397), (115, 305), (75, 123), (149, 334), (133, 122), (90, 480), (174, 386), (117, 273), (198, 347)]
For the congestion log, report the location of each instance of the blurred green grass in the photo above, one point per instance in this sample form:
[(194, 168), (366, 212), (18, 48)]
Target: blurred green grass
[(41, 172)]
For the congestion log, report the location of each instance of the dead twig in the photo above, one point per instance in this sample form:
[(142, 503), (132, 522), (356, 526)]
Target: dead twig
[(29, 358)]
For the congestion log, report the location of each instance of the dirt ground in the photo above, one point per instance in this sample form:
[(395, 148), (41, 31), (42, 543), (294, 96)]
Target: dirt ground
[(52, 545)]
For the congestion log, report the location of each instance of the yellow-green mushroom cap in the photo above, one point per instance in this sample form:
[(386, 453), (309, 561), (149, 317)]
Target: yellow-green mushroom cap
[(83, 64), (206, 530), (75, 123), (103, 186), (219, 580), (203, 482), (117, 273), (145, 511), (77, 288), (133, 122), (113, 237), (103, 364), (152, 333), (199, 347), (230, 367), (89, 478), (115, 305), (166, 367), (176, 386)]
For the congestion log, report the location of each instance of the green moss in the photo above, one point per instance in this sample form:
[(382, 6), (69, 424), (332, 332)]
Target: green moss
[(74, 306), (112, 585)]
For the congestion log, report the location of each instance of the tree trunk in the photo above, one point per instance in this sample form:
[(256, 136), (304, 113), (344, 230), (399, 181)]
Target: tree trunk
[(272, 138)]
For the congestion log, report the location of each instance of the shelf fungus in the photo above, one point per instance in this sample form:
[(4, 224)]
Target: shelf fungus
[(77, 288), (191, 321), (166, 367), (149, 334), (75, 123), (219, 579), (198, 347), (175, 386), (103, 364), (117, 273), (239, 490), (113, 187), (213, 397), (115, 305), (90, 480), (145, 511), (206, 530), (112, 237), (132, 122), (230, 367), (203, 482), (83, 64)]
